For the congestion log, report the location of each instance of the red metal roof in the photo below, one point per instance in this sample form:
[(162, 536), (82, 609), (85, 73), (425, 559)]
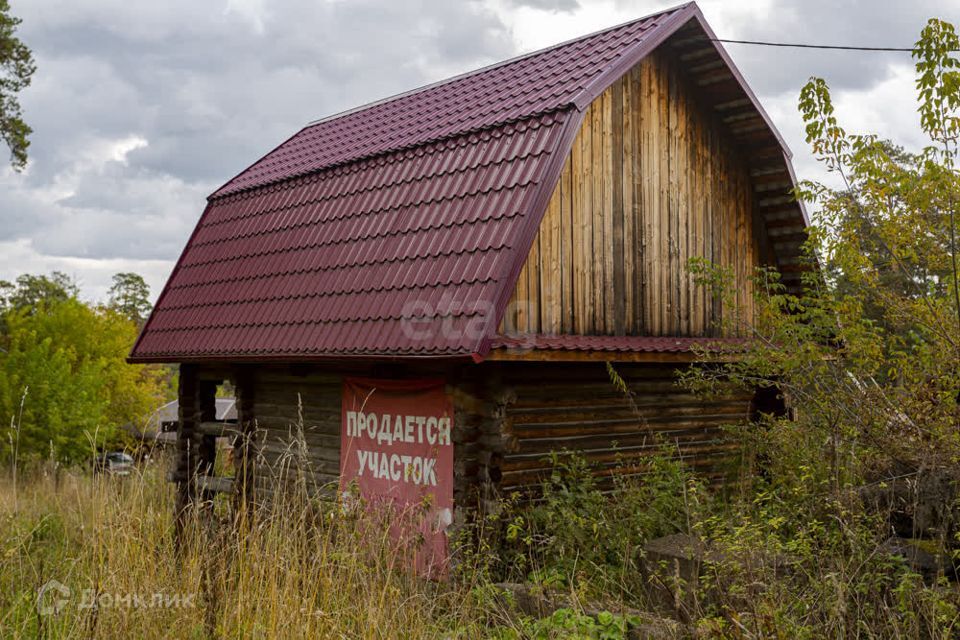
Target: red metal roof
[(400, 254), (623, 344), (534, 84), (397, 229)]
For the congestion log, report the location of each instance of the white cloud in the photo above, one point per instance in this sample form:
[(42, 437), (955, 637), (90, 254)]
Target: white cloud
[(92, 274), (253, 11), (115, 150)]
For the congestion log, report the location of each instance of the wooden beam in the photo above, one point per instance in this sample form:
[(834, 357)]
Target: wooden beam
[(213, 373), (698, 54), (779, 176), (215, 484), (789, 238), (707, 66), (772, 187), (791, 223), (243, 459), (739, 115), (731, 105), (217, 428), (207, 405), (563, 355), (792, 209), (721, 74)]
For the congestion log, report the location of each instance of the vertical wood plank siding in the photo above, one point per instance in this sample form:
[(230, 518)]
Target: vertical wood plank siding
[(652, 180)]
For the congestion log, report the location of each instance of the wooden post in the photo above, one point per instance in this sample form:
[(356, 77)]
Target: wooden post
[(243, 445), (206, 443), (184, 464), (196, 452)]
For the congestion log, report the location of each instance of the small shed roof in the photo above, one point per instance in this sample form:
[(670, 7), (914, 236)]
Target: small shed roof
[(397, 229)]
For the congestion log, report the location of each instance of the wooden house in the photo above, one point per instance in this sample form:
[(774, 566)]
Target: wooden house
[(443, 276)]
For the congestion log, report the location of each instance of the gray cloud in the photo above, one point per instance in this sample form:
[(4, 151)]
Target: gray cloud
[(548, 5), (877, 23), (203, 90), (141, 109)]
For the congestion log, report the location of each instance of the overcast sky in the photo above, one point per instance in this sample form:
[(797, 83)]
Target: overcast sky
[(141, 108)]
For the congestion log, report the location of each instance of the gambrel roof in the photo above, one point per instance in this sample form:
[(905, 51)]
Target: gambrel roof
[(398, 229)]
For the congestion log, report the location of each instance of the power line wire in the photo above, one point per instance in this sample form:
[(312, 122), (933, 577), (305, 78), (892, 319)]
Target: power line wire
[(812, 46)]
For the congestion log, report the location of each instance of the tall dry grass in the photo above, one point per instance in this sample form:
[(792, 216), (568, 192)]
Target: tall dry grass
[(297, 567)]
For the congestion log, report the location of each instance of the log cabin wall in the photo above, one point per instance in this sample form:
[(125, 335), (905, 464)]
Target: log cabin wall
[(541, 408), (508, 418), (296, 427), (652, 180), (293, 416)]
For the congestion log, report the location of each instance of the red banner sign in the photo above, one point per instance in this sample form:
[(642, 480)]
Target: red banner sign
[(396, 446)]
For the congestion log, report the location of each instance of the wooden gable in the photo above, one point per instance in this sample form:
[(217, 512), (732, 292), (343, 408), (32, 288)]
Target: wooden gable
[(653, 179)]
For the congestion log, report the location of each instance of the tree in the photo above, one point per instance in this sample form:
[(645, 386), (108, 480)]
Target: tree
[(65, 365), (867, 357), (130, 295), (31, 291), (16, 70), (870, 351), (7, 289)]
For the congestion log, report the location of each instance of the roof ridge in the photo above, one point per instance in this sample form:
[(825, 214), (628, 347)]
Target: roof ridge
[(491, 66), (538, 115)]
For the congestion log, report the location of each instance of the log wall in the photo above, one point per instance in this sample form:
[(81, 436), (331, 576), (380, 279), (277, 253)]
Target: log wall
[(652, 180), (508, 418), (295, 418), (297, 427), (575, 407)]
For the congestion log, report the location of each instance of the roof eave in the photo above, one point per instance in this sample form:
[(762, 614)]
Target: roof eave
[(551, 176), (658, 37), (743, 83), (502, 354), (300, 358)]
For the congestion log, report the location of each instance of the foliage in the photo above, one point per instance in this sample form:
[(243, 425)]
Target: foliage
[(129, 295), (578, 535), (297, 568), (63, 377), (868, 357), (30, 291), (65, 362), (871, 348), (16, 70), (784, 565), (568, 624)]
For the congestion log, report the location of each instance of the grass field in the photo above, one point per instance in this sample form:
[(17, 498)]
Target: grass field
[(298, 571), (302, 567)]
